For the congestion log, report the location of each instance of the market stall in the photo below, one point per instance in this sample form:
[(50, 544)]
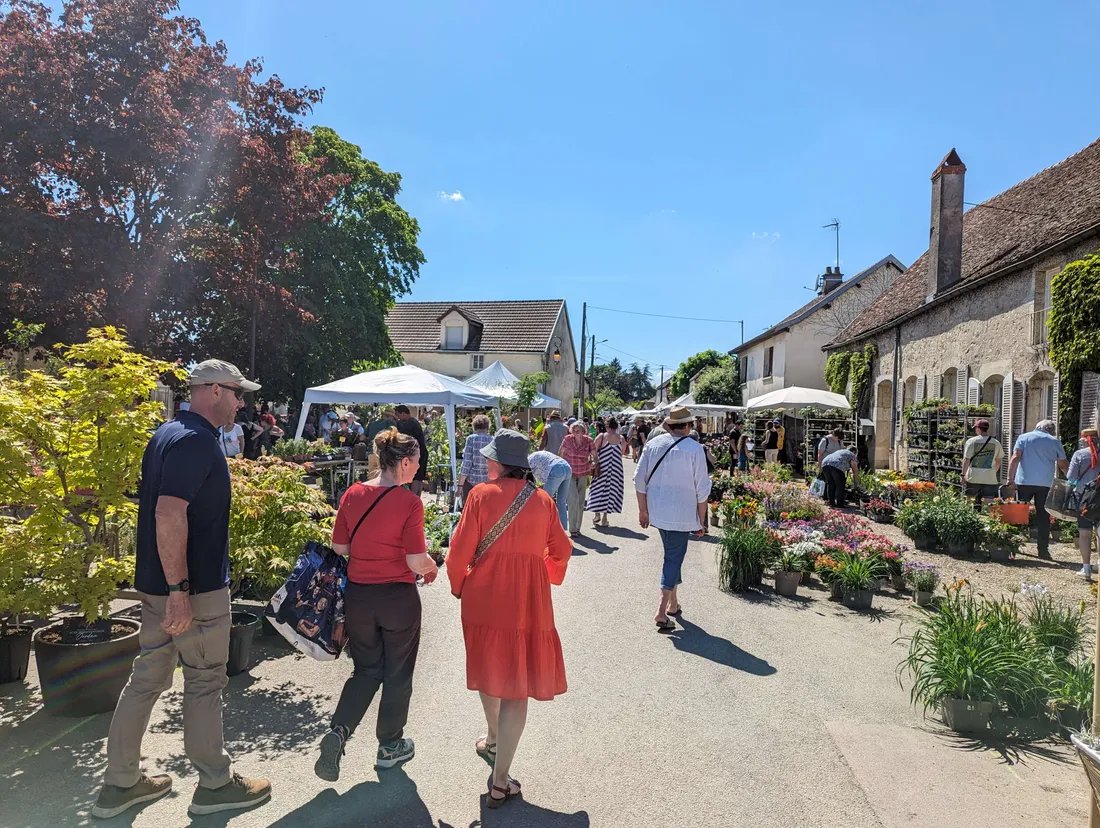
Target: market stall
[(819, 412), (408, 385), (501, 383)]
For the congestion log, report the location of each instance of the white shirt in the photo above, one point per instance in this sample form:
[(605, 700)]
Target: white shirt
[(231, 439), (679, 484)]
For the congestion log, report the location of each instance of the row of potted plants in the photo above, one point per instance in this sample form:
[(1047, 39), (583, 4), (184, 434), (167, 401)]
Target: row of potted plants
[(951, 521)]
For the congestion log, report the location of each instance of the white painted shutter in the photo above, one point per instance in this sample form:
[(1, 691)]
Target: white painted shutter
[(1008, 438), (974, 392), (1090, 399), (920, 389), (962, 381), (1054, 393)]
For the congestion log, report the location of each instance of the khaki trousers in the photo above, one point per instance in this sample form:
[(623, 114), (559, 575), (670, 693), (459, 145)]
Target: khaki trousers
[(578, 486), (202, 651)]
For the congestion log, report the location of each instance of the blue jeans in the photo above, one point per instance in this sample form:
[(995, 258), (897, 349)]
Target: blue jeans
[(676, 547), (557, 486)]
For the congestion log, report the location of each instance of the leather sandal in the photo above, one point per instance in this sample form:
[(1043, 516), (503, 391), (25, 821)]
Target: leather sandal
[(495, 802), (486, 750), (666, 626)]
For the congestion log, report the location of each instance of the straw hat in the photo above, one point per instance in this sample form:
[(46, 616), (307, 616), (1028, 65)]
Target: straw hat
[(680, 415)]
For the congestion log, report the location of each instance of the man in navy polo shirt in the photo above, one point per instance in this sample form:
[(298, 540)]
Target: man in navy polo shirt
[(183, 574)]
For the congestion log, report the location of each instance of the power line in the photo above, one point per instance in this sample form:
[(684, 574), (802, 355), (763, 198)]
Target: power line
[(634, 356), (666, 316)]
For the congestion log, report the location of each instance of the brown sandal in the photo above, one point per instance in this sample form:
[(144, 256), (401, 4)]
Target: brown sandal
[(486, 750), (494, 802)]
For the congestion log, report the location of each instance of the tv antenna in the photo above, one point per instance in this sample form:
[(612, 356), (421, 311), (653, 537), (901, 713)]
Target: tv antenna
[(835, 225)]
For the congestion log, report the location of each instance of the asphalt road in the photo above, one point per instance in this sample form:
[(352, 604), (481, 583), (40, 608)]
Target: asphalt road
[(756, 712)]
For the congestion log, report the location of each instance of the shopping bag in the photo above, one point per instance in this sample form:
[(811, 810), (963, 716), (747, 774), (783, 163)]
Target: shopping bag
[(308, 610), (817, 488), (1062, 501)]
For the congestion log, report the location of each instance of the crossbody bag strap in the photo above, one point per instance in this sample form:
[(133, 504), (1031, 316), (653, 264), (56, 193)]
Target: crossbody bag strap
[(369, 510), (661, 459), (505, 521), (982, 449)]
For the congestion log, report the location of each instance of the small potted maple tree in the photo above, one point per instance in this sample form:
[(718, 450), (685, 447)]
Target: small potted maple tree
[(71, 443)]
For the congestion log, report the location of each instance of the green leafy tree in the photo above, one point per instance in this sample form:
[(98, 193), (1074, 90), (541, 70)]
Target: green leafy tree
[(630, 384), (527, 389), (605, 401), (70, 459), (719, 385), (681, 380)]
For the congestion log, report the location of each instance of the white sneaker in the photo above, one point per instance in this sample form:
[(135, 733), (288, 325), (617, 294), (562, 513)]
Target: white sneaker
[(1085, 572)]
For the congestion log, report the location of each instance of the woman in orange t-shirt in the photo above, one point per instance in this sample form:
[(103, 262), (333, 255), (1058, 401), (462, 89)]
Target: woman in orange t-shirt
[(380, 527), (512, 648)]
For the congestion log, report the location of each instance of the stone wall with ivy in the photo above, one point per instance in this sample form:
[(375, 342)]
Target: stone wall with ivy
[(1074, 334), (851, 372)]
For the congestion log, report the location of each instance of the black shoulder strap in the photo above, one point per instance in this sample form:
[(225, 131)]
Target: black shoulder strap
[(662, 457), (982, 449), (369, 510)]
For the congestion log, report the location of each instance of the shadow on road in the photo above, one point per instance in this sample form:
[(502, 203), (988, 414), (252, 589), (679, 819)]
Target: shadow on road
[(391, 801), (695, 640), (1014, 747), (522, 812), (622, 532), (596, 546)]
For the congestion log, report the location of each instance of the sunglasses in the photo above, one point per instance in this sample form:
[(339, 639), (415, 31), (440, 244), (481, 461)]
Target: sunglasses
[(237, 392)]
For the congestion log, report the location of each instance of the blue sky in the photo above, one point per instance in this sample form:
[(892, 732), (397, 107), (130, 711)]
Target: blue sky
[(677, 157)]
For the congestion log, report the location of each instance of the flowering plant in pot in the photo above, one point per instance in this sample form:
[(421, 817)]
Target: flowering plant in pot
[(826, 566), (71, 442), (880, 511), (788, 573), (922, 578), (1002, 540), (915, 519), (893, 561), (740, 511)]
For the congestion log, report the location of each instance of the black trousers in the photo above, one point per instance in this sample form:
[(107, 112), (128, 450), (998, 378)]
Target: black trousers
[(1025, 494), (834, 486), (382, 622)]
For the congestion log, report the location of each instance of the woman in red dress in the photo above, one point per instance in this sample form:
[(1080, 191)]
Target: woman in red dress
[(502, 571)]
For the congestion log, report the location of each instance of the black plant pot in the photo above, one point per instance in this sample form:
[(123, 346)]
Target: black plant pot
[(15, 654), (240, 642), (84, 679)]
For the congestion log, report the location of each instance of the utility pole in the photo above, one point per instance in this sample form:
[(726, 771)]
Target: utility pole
[(742, 331), (584, 341), (591, 364)]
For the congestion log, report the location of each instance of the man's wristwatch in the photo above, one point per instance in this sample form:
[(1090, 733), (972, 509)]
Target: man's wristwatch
[(182, 586)]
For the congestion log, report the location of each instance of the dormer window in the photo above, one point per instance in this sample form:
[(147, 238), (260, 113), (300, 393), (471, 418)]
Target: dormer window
[(452, 340)]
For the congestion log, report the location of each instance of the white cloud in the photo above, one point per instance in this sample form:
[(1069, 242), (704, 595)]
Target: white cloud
[(455, 196), (767, 237)]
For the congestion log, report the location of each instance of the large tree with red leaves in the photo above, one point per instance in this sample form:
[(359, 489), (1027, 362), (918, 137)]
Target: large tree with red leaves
[(144, 180)]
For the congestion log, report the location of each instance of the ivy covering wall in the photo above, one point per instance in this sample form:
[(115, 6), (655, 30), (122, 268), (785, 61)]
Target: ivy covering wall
[(1074, 331), (855, 366)]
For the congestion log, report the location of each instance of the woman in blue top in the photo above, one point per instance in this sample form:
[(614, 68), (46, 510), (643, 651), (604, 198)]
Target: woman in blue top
[(1084, 467)]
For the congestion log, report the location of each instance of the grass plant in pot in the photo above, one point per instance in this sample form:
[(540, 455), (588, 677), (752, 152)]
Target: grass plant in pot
[(1002, 541), (788, 573), (915, 519), (857, 577), (744, 553), (958, 525), (72, 442), (922, 579)]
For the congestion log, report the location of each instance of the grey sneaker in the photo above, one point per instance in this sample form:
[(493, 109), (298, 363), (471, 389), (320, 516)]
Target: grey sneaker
[(113, 800), (390, 755), (328, 763), (239, 793)]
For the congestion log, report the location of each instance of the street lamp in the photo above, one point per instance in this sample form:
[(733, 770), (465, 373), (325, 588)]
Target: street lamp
[(557, 348)]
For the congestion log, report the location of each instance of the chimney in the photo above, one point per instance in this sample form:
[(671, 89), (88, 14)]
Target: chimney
[(831, 280), (945, 241)]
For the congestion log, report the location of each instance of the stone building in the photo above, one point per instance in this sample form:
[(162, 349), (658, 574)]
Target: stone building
[(968, 320), (789, 353), (458, 339)]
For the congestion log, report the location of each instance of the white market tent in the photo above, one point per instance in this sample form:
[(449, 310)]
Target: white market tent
[(409, 385), (497, 380), (688, 401), (796, 397)]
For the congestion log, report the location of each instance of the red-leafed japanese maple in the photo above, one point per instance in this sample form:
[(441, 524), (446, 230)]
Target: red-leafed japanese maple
[(145, 181)]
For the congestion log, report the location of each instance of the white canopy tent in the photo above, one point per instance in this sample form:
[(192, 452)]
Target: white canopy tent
[(796, 397), (688, 401), (409, 385), (497, 380)]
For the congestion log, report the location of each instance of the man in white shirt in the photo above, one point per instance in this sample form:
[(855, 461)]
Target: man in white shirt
[(673, 485)]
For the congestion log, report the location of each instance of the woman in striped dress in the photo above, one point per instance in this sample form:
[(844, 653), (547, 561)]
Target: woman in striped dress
[(605, 496)]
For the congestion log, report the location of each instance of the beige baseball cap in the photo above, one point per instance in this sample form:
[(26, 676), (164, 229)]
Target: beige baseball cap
[(220, 372)]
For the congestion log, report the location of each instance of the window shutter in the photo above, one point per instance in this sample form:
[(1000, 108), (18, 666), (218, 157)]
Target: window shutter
[(962, 384), (1090, 399), (1054, 393), (973, 392), (920, 389), (1008, 438)]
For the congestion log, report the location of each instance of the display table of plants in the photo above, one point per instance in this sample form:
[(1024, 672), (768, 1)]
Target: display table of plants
[(773, 526), (820, 424), (950, 522), (936, 431)]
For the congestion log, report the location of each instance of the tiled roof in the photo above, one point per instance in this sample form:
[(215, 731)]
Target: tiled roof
[(817, 302), (506, 326), (1047, 208)]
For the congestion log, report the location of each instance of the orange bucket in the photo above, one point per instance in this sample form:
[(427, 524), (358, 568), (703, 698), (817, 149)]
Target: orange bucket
[(1014, 513)]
